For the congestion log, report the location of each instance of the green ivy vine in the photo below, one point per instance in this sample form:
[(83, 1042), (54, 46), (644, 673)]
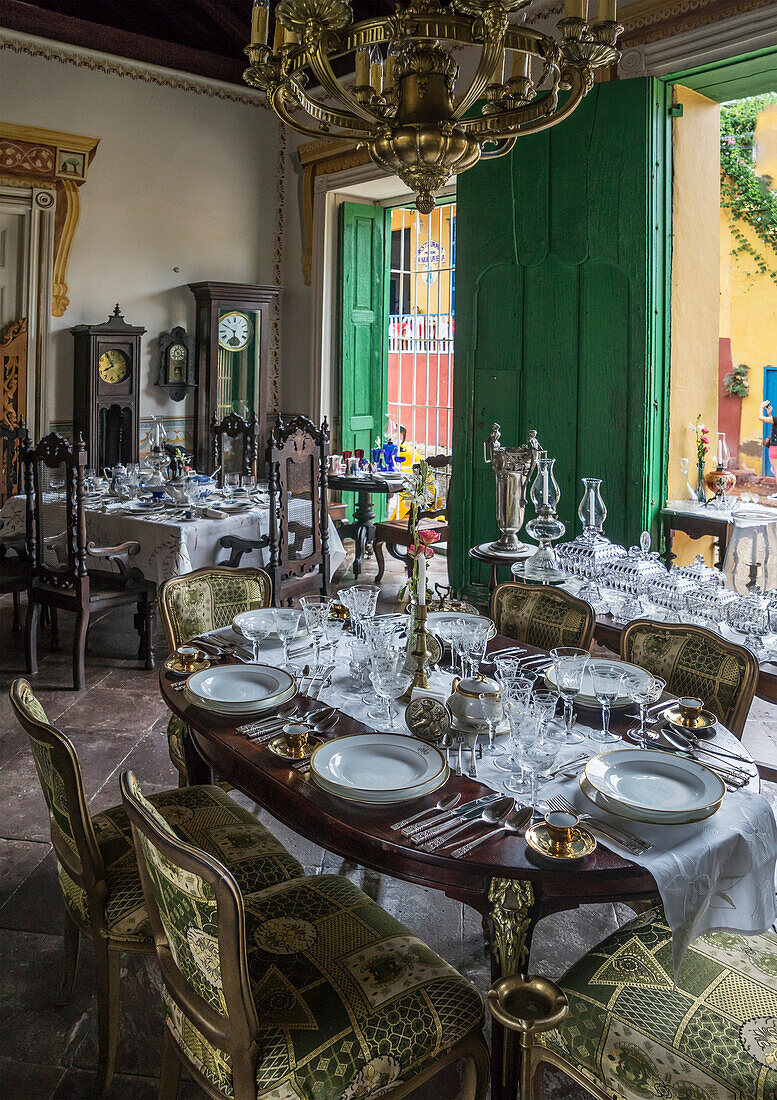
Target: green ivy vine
[(747, 195)]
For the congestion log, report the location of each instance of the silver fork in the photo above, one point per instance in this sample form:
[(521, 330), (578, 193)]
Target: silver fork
[(473, 768), (627, 840)]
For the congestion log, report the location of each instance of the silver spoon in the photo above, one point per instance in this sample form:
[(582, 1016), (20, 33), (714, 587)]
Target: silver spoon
[(729, 773), (515, 822), (686, 744), (491, 815), (446, 803)]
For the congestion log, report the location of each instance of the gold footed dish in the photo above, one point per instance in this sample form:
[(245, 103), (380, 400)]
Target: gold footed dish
[(580, 844), (173, 664), (280, 746)]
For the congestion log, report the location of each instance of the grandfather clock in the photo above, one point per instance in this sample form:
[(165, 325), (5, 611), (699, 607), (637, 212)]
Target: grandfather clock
[(232, 350), (106, 385)]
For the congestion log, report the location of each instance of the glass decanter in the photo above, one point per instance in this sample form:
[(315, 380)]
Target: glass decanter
[(546, 528)]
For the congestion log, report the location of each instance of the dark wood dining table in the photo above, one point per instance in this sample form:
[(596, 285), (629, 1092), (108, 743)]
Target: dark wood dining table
[(510, 890)]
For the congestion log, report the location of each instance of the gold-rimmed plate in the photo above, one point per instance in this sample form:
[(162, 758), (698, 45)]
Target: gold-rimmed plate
[(640, 780), (648, 817), (580, 845)]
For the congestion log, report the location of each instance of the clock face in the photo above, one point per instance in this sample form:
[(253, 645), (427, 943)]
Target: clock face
[(234, 331), (113, 366), (176, 363)]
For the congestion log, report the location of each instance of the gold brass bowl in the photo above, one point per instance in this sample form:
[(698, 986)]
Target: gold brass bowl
[(178, 663), (280, 746), (580, 844), (527, 1003)]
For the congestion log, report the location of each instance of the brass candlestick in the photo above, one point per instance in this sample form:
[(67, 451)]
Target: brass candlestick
[(418, 659)]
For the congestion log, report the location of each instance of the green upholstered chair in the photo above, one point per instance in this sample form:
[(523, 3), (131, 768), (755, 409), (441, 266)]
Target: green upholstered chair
[(195, 603), (303, 991), (97, 868), (625, 1031), (695, 662), (542, 617)]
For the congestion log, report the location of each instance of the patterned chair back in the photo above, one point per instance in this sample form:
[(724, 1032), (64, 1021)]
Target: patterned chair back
[(208, 599), (198, 922), (56, 521), (59, 773), (542, 617), (234, 446), (696, 663)]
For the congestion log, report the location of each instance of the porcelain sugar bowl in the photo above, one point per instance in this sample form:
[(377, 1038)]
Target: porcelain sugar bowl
[(464, 703)]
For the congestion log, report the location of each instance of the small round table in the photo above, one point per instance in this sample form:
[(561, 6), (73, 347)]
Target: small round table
[(362, 530), (487, 557)]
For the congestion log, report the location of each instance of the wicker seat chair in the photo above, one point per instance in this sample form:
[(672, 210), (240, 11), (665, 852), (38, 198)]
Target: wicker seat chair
[(695, 662), (98, 873), (619, 1026), (195, 603), (542, 617), (308, 990)]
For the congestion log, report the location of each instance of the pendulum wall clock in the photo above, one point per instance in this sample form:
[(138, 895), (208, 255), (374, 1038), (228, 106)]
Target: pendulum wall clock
[(106, 385), (232, 349)]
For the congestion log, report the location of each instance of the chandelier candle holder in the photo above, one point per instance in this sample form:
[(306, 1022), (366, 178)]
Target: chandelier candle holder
[(546, 528), (407, 105)]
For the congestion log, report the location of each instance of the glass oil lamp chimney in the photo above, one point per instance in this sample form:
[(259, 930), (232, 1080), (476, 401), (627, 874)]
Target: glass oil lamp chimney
[(546, 528)]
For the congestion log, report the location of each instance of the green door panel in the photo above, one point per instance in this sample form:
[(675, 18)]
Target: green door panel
[(364, 284), (561, 320)]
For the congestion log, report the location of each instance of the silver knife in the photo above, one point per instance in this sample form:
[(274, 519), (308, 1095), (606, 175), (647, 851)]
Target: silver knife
[(453, 814)]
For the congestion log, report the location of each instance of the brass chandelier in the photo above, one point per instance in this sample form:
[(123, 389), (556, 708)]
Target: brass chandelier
[(405, 106)]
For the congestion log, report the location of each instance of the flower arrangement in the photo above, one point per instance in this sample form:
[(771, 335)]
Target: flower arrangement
[(418, 494), (702, 440)]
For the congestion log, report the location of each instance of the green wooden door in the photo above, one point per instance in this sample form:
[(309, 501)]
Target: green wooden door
[(364, 257), (560, 315)]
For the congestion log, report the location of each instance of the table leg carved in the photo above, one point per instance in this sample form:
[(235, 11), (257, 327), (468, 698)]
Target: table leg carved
[(513, 914)]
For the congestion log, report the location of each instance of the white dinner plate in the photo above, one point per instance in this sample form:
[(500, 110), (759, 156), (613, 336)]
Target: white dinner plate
[(650, 817), (377, 766), (646, 779), (586, 695), (246, 616), (384, 799), (142, 509), (435, 618), (235, 689)]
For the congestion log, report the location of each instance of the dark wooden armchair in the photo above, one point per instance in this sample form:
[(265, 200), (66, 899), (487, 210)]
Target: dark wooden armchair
[(234, 446), (59, 555), (395, 533), (298, 560), (14, 569)]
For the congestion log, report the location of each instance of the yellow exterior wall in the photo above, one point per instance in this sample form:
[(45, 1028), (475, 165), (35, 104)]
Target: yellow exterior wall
[(748, 317), (435, 227), (695, 290)]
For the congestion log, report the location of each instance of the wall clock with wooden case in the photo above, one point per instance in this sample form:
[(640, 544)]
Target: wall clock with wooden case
[(176, 363), (232, 349), (106, 384)]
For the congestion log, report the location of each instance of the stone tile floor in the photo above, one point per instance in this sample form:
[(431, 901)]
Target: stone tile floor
[(118, 722)]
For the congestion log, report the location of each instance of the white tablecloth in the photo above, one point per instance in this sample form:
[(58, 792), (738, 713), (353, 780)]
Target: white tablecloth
[(169, 547), (712, 876)]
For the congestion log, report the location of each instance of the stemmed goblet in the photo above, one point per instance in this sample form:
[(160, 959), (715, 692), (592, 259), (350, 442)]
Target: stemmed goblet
[(569, 664), (492, 709), (474, 637), (256, 628), (286, 627), (316, 612), (361, 601), (607, 679), (390, 682), (517, 703), (643, 690)]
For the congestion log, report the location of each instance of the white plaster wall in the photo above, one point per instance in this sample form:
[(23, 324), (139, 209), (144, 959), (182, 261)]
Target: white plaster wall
[(180, 181)]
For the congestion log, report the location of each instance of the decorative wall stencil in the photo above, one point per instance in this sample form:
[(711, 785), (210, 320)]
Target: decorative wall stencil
[(13, 372)]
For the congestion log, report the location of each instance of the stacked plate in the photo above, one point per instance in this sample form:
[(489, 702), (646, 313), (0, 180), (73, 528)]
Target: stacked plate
[(646, 785), (237, 690), (586, 696), (378, 768)]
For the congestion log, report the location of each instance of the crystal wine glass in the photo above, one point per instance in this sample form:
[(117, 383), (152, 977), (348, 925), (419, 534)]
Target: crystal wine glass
[(606, 679), (545, 702), (286, 627), (492, 709), (520, 715), (474, 639), (256, 628), (383, 663), (359, 664), (643, 690), (507, 668), (333, 632), (569, 664), (231, 483), (361, 601), (390, 683), (316, 612)]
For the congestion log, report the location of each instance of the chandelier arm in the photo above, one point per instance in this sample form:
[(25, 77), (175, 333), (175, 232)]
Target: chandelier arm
[(488, 61), (329, 117), (277, 98), (505, 147), (319, 63), (533, 117)]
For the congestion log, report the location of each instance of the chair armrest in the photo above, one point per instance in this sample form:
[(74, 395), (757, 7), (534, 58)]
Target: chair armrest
[(528, 1003), (239, 546), (117, 554)]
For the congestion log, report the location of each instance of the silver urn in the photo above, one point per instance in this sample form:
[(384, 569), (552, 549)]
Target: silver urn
[(512, 468)]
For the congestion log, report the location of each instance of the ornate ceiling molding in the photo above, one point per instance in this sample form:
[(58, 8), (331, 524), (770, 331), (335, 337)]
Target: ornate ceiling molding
[(44, 158), (653, 20), (322, 158), (47, 50)]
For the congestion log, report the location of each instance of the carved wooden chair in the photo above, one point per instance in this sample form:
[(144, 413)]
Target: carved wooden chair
[(14, 568), (696, 663), (298, 541), (59, 555), (395, 533), (306, 990), (97, 869), (195, 603), (541, 616), (234, 446)]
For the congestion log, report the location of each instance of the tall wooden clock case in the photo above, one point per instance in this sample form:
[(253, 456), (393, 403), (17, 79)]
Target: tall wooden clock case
[(232, 349), (106, 384)]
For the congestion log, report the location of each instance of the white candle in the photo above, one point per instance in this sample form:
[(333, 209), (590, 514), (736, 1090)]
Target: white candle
[(362, 68), (521, 64), (376, 69), (421, 599), (259, 14), (277, 41), (545, 485), (591, 512), (720, 452)]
